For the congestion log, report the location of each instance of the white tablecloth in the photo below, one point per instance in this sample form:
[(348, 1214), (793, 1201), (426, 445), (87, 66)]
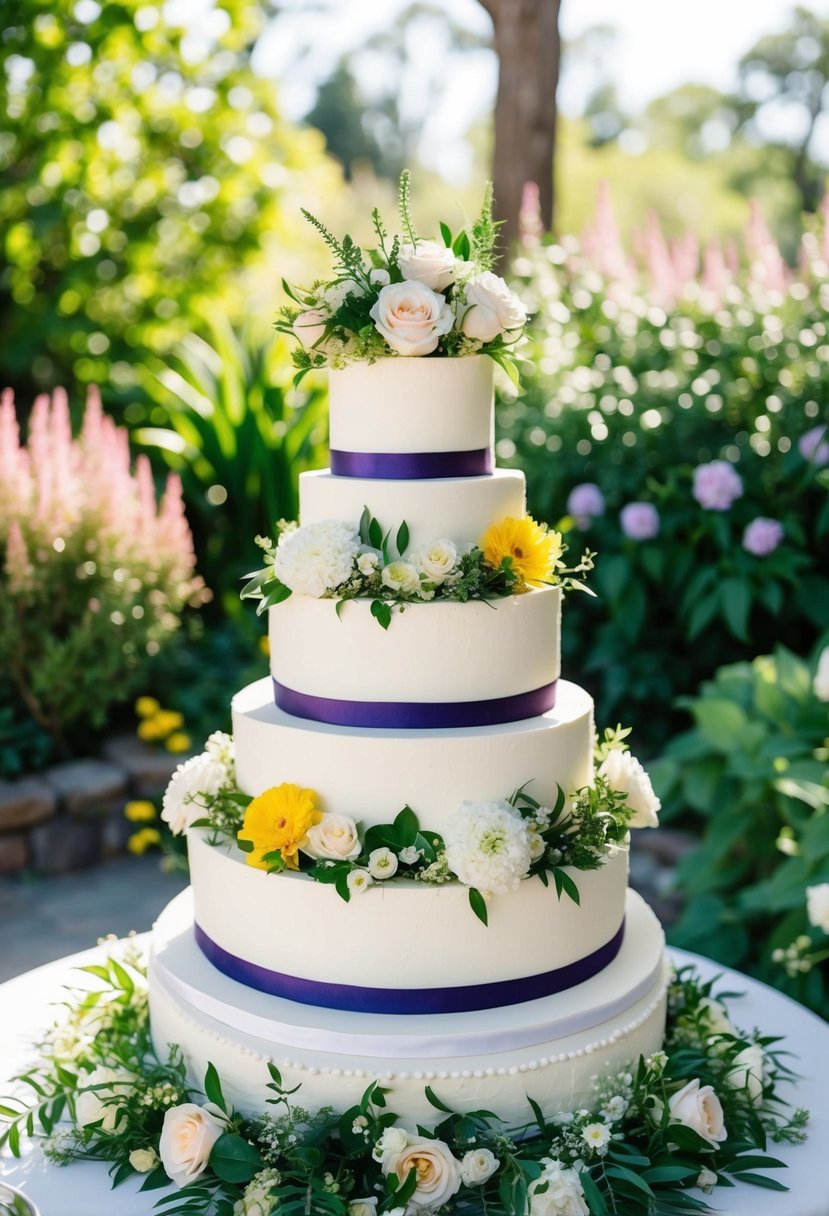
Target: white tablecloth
[(82, 1189)]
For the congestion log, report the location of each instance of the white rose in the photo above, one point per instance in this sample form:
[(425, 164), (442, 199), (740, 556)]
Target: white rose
[(363, 1207), (309, 326), (747, 1072), (625, 774), (817, 906), (477, 1165), (714, 1017), (563, 1194), (143, 1160), (438, 1173), (187, 1138), (411, 317), (489, 308), (437, 560), (334, 837), (429, 262), (820, 684), (698, 1107), (401, 576), (382, 863), (104, 1103), (368, 562), (336, 293), (379, 277), (391, 1143)]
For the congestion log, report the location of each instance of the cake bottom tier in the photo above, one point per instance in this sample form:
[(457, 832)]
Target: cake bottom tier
[(550, 1049)]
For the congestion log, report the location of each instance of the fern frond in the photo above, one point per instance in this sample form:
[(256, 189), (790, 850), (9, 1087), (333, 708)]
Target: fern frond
[(484, 232), (347, 256), (403, 197)]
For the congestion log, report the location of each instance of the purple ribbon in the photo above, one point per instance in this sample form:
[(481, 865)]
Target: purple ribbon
[(416, 715), (357, 999), (411, 466)]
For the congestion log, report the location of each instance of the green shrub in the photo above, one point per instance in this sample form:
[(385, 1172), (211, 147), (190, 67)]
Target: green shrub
[(93, 574), (635, 377), (753, 776)]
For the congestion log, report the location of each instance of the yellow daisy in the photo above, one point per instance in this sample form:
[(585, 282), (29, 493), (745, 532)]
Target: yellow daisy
[(279, 819), (534, 550)]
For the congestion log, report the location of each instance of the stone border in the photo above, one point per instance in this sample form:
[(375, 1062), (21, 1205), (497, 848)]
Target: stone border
[(72, 815)]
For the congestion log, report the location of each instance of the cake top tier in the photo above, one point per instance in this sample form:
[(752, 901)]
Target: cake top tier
[(406, 296)]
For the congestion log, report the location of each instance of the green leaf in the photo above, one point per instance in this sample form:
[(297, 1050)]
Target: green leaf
[(402, 541), (461, 246), (565, 885), (446, 233), (213, 1087), (278, 593), (632, 1180), (435, 1101), (381, 613), (593, 1195), (406, 825), (735, 598), (365, 523), (338, 608), (375, 534), (234, 1159), (770, 1184), (670, 1173), (478, 905)]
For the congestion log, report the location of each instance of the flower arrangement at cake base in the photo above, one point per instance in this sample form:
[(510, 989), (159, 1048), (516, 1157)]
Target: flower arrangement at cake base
[(697, 1114)]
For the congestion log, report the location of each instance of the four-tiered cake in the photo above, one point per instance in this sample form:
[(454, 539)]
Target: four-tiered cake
[(445, 703)]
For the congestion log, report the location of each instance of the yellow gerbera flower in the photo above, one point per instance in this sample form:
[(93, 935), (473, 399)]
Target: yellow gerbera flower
[(279, 819), (145, 707), (535, 551), (178, 742), (140, 811)]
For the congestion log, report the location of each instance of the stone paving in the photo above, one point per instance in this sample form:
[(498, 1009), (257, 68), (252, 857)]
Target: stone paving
[(44, 918)]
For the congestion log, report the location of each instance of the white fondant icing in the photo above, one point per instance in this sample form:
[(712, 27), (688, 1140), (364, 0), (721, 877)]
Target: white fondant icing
[(372, 774), (403, 934), (412, 405), (561, 1080), (440, 651), (456, 508)]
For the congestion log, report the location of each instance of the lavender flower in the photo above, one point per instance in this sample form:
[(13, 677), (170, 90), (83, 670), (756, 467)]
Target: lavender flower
[(762, 536), (717, 485), (813, 446), (639, 520), (585, 503)]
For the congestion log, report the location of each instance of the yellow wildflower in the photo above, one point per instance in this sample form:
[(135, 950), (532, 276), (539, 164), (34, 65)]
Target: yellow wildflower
[(178, 742), (141, 811), (145, 707), (534, 550), (265, 645), (168, 720), (145, 839), (279, 819), (148, 730)]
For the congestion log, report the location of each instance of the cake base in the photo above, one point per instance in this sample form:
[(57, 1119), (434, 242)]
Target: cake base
[(549, 1049)]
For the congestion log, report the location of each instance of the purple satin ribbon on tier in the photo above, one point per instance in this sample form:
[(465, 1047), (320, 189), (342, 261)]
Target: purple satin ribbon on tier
[(416, 715), (411, 466), (357, 999)]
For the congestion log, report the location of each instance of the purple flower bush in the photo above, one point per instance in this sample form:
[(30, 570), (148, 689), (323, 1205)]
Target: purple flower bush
[(675, 396)]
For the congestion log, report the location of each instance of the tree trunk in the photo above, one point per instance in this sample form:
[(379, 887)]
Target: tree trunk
[(528, 47)]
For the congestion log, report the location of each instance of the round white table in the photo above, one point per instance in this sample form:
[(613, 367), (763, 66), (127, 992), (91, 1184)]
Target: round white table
[(82, 1189)]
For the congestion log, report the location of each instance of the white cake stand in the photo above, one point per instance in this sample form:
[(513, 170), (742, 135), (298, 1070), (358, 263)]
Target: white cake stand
[(82, 1189)]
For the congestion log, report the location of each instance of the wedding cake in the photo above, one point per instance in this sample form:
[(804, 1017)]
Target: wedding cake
[(410, 864)]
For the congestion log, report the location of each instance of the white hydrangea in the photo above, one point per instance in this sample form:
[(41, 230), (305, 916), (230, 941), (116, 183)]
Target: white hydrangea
[(184, 798), (316, 558), (488, 846), (563, 1194)]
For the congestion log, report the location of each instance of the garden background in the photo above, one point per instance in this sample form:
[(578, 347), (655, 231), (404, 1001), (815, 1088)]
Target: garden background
[(672, 411)]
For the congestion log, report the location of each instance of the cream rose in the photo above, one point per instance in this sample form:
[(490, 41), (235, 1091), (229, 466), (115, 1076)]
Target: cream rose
[(817, 906), (428, 262), (489, 308), (747, 1072), (363, 1207), (401, 576), (698, 1107), (437, 560), (411, 317), (477, 1165), (309, 326), (713, 1017), (334, 837), (438, 1173), (143, 1160), (625, 774), (187, 1138), (102, 1104)]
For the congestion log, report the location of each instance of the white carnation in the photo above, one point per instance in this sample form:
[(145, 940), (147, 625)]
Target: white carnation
[(625, 774), (488, 846), (184, 799), (316, 558), (437, 560), (368, 561), (401, 576)]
